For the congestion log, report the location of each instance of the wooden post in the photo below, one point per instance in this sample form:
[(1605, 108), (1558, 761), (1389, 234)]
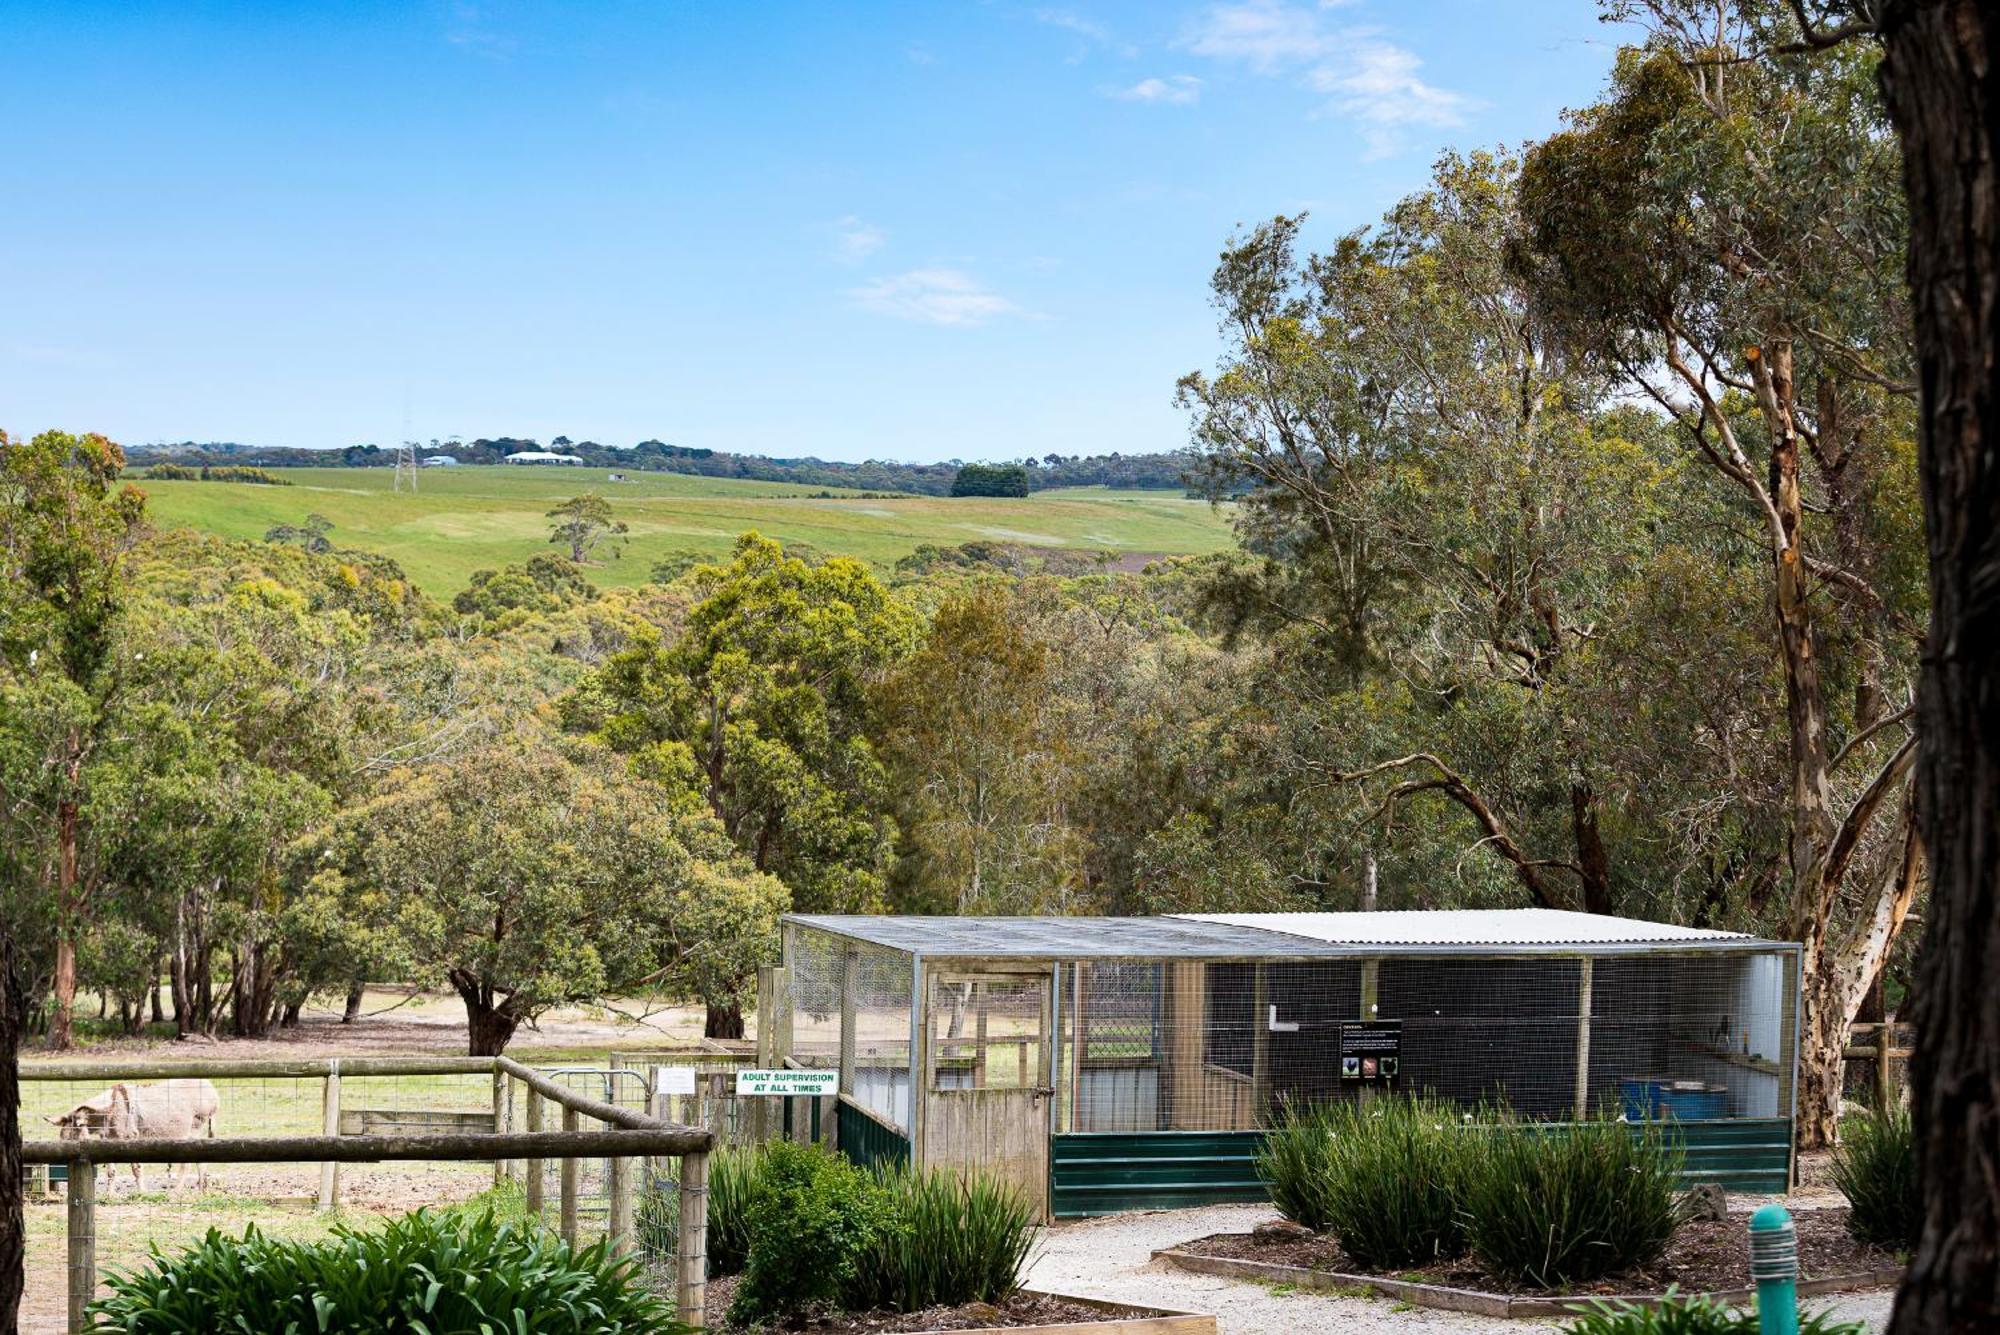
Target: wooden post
[(850, 978), (618, 1184), (1586, 971), (1885, 1087), (979, 1041), (691, 1264), (920, 1059), (533, 1167), (1260, 1045), (502, 1096), (567, 1200), (329, 1172), (1078, 1041), (82, 1240), (1371, 1005), (767, 1046)]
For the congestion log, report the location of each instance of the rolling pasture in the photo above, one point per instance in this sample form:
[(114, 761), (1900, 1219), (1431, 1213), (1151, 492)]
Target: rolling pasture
[(481, 517)]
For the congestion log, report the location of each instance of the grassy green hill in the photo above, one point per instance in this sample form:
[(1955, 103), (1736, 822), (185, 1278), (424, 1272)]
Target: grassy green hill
[(473, 518)]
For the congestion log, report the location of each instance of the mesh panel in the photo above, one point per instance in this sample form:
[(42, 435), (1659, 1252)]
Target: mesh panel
[(882, 1005), (1193, 1046), (818, 975), (986, 1033)]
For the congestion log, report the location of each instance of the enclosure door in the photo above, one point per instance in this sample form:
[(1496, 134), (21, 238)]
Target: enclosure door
[(987, 1108)]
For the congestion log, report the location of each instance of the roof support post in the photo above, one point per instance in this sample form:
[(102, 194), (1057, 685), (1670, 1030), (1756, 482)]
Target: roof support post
[(1585, 978)]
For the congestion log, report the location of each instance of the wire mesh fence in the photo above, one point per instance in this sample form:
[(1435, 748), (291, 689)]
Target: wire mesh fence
[(1190, 1044)]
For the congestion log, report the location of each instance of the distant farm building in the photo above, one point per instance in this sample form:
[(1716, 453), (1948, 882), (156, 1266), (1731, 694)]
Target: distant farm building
[(543, 457), (440, 461)]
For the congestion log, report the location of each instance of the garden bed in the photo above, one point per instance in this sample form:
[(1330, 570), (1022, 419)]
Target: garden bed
[(1705, 1256), (1048, 1313)]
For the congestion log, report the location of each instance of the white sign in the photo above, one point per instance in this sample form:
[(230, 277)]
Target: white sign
[(675, 1080), (816, 1084)]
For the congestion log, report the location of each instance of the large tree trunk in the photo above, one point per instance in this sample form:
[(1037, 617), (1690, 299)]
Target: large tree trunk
[(62, 1022), (352, 1010), (488, 1028), (1941, 78), (12, 1232), (724, 1020)]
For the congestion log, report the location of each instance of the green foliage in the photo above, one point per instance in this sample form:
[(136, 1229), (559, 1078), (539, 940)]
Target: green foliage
[(526, 876), (760, 712), (1384, 1177), (502, 599), (950, 1242), (1875, 1167), (735, 1180), (1562, 1205), (216, 473), (1699, 1315), (445, 1274), (585, 523), (990, 480), (811, 1225)]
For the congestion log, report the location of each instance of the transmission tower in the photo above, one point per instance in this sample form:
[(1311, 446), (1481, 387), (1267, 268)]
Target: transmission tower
[(406, 465)]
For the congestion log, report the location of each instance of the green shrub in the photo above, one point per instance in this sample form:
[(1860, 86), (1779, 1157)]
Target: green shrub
[(810, 1222), (1690, 1316), (445, 1274), (950, 1242), (734, 1177), (1384, 1177), (1875, 1167), (1554, 1206)]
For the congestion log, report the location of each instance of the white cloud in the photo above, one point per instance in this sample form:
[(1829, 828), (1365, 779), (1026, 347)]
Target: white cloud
[(855, 239), (933, 296), (1175, 89), (1264, 34), (1090, 30), (1364, 76)]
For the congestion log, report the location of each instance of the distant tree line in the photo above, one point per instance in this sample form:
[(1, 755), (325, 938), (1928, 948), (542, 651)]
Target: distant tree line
[(216, 473), (990, 480), (1124, 471)]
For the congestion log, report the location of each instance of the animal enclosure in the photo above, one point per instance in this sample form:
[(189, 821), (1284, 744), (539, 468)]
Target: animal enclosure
[(1115, 1063), (428, 1130)]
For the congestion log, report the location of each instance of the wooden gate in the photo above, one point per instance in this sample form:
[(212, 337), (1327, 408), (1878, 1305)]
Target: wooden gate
[(987, 1109)]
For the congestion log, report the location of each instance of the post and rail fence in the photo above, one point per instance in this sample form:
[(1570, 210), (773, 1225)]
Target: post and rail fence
[(622, 1137)]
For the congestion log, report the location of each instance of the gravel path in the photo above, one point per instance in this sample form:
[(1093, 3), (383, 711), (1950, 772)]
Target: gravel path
[(1112, 1258)]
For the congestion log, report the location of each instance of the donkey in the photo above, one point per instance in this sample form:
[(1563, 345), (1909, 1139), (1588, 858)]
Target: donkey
[(170, 1110)]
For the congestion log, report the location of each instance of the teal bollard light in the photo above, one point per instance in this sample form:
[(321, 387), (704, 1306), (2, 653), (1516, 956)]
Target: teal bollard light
[(1774, 1268)]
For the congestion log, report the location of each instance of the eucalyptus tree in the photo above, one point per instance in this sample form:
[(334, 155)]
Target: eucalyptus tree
[(1725, 232), (761, 711), (66, 527), (524, 876), (1447, 524)]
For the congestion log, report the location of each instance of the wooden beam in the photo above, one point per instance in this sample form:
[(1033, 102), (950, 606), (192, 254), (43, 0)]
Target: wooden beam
[(257, 1069), (453, 1146)]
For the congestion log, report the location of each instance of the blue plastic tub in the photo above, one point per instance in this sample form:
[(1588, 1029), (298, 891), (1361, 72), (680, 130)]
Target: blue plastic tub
[(1659, 1098)]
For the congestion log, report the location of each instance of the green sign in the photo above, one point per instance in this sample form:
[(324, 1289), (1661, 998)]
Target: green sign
[(815, 1084)]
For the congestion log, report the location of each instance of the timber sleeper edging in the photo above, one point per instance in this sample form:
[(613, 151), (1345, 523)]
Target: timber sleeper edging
[(1477, 1302), (1119, 1319)]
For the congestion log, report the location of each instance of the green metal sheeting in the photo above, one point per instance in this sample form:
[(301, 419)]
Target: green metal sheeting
[(867, 1142), (1104, 1174)]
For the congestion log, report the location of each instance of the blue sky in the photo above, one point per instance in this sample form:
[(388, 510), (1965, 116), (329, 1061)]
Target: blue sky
[(904, 231)]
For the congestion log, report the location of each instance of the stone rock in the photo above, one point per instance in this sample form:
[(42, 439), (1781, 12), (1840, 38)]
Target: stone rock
[(1280, 1230), (1706, 1201)]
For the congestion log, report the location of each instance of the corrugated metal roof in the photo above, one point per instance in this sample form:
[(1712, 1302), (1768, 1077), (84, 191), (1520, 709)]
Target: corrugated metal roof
[(1295, 936), (1468, 927), (1057, 938)]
